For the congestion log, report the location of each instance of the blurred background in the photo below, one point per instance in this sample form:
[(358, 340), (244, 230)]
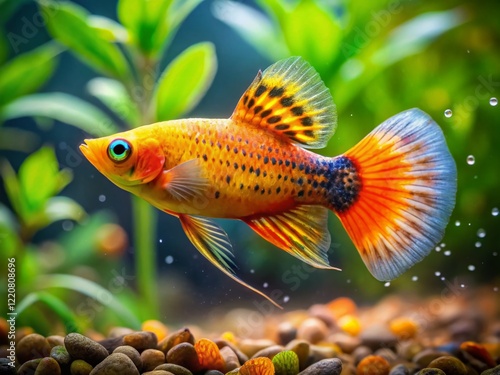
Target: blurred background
[(378, 58)]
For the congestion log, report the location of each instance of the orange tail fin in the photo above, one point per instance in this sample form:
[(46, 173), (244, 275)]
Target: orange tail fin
[(398, 193)]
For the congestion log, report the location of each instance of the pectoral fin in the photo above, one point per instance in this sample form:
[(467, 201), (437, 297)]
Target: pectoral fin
[(185, 180), (212, 242)]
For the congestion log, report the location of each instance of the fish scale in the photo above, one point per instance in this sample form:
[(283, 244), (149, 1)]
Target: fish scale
[(393, 192)]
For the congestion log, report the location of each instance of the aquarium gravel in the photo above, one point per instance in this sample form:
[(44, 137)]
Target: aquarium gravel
[(455, 333)]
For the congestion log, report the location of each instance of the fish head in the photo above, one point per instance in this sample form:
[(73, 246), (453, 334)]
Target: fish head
[(127, 159)]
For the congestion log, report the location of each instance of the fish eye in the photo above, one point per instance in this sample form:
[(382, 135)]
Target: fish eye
[(119, 150)]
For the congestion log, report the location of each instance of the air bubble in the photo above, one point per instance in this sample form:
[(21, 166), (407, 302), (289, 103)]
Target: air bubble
[(252, 271), (438, 249), (443, 245), (160, 240), (478, 244), (286, 299), (471, 159), (414, 278), (437, 273), (493, 102), (102, 198), (67, 225), (169, 259), (447, 253), (457, 223), (265, 285), (448, 113), (495, 211), (387, 284), (481, 233), (471, 267), (495, 289)]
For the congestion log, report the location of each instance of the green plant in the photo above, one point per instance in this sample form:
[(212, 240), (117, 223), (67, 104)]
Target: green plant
[(135, 92)]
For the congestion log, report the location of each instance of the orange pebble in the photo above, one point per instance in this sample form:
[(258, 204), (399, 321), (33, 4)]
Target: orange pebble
[(478, 351), (257, 366), (342, 306), (350, 324), (157, 327), (209, 355), (403, 328), (373, 365)]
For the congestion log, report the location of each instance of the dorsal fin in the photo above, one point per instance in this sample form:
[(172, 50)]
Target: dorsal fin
[(289, 98)]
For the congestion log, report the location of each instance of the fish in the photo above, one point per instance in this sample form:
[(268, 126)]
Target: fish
[(393, 192)]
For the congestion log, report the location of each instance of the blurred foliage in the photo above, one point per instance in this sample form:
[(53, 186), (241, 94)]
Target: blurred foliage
[(378, 58)]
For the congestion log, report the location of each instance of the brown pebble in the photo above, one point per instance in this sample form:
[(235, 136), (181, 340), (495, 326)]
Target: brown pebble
[(81, 347), (48, 366), (449, 364), (387, 353), (492, 371), (119, 332), (112, 343), (286, 332), (132, 353), (408, 349), (479, 352), (361, 352), (29, 367), (115, 364), (332, 366), (319, 352), (399, 370), (157, 372), (426, 356), (151, 358), (141, 340), (252, 346), (61, 355), (322, 313), (346, 342), (213, 372), (269, 352), (80, 367), (313, 330), (431, 371), (373, 365), (378, 336), (184, 355), (230, 358), (174, 369), (55, 340), (32, 346), (175, 338), (242, 357), (302, 349)]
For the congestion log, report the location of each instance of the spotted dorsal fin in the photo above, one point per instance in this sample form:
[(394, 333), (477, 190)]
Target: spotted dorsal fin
[(289, 98)]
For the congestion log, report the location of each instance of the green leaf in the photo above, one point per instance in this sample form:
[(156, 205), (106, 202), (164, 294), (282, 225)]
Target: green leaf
[(9, 240), (313, 33), (63, 208), (286, 363), (115, 96), (27, 72), (109, 29), (65, 108), (25, 141), (4, 49), (59, 307), (252, 26), (69, 24), (12, 188), (184, 81), (94, 291)]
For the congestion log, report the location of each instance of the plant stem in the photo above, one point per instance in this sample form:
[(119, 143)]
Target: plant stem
[(144, 243)]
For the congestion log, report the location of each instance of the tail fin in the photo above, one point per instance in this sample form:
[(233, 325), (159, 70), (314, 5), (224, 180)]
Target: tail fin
[(406, 181)]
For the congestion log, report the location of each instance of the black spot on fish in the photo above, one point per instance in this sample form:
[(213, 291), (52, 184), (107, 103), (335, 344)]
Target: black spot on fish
[(235, 165), (294, 165), (306, 121), (251, 103), (241, 186), (243, 167), (257, 109), (260, 90), (266, 160), (287, 163), (276, 91), (245, 99), (228, 179), (273, 119), (309, 133), (243, 152), (257, 172), (273, 161), (228, 163), (256, 187), (285, 178), (227, 147), (300, 193), (235, 150), (278, 189), (219, 145), (251, 169), (205, 157), (301, 167), (217, 194), (291, 133), (264, 174), (279, 176), (287, 101), (282, 127), (265, 113), (297, 111), (196, 140), (300, 180), (204, 141), (262, 191)]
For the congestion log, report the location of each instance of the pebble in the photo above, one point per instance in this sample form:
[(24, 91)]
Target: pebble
[(286, 332), (32, 346), (115, 364), (48, 366), (432, 371), (373, 365), (6, 368), (478, 351), (269, 352), (81, 347), (323, 313), (346, 342), (378, 336), (449, 364), (80, 367), (492, 371), (332, 366), (209, 356), (184, 354), (403, 328), (174, 369), (112, 343), (342, 306), (350, 324), (387, 353), (313, 330), (151, 358), (141, 340), (29, 367), (175, 338), (361, 352), (61, 355), (119, 332), (408, 349), (302, 349), (426, 356), (252, 346), (157, 372), (242, 357), (132, 353), (157, 327), (230, 358), (399, 370), (213, 372), (55, 340)]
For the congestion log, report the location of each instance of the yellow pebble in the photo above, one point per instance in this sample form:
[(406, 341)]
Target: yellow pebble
[(229, 337), (403, 328), (157, 327), (350, 324)]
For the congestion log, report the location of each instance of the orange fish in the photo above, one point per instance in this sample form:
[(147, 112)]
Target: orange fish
[(393, 192)]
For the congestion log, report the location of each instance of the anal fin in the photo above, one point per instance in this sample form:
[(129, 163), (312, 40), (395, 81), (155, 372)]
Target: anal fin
[(212, 242), (301, 231)]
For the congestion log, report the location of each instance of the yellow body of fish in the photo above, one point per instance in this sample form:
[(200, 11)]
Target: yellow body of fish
[(394, 191)]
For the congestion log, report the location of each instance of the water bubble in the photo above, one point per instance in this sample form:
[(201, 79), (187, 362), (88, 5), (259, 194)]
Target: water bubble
[(457, 223), (414, 278), (252, 271), (102, 198), (478, 244), (494, 253), (495, 289), (448, 113), (265, 285), (471, 267), (447, 253), (160, 240), (442, 278), (348, 281), (443, 245), (438, 249), (481, 233), (437, 273), (286, 299), (471, 159), (67, 225), (387, 284), (169, 259), (495, 211), (493, 102)]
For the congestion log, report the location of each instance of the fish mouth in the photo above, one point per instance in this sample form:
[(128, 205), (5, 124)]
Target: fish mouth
[(87, 152)]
